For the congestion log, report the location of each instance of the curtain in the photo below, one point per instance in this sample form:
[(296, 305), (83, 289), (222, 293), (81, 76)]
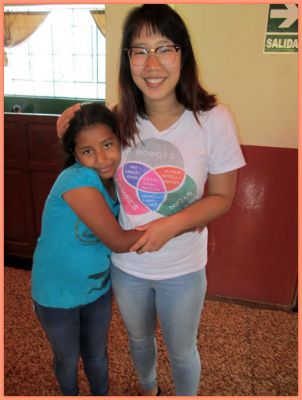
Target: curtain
[(99, 19), (18, 26)]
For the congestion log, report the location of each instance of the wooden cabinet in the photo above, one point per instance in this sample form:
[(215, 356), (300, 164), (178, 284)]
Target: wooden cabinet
[(32, 160)]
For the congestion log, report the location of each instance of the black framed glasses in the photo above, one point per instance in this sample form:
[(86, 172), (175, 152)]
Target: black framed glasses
[(165, 54)]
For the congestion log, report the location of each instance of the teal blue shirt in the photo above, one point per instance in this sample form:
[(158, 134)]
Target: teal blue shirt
[(70, 264)]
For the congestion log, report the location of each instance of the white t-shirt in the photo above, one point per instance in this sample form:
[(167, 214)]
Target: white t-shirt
[(165, 172)]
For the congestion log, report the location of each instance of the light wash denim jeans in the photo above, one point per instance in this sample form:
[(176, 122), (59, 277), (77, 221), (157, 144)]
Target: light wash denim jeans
[(178, 303)]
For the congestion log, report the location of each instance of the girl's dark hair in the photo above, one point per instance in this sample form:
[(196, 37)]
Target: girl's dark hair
[(89, 114), (157, 18)]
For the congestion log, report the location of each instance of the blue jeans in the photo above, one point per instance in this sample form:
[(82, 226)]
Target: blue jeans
[(178, 303), (75, 332)]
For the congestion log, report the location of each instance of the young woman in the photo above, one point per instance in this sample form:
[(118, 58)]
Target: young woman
[(71, 286), (175, 140)]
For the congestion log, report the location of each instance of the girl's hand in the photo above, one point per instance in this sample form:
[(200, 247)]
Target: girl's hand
[(64, 119), (157, 233)]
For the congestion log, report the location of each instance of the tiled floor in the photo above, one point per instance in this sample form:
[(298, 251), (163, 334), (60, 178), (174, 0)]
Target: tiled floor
[(245, 351)]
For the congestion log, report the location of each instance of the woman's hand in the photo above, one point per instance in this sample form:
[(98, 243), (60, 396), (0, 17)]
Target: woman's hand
[(65, 117), (157, 233)]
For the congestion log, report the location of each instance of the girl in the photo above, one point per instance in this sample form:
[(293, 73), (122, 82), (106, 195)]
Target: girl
[(71, 287), (175, 140)]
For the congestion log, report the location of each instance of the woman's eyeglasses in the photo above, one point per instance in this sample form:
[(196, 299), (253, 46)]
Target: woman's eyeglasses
[(165, 54)]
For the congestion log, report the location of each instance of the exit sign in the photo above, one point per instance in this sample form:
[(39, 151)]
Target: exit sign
[(282, 29)]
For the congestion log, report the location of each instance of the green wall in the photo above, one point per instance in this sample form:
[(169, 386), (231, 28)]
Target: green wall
[(40, 105)]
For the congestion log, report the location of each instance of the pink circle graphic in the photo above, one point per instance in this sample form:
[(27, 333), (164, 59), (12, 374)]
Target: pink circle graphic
[(153, 179)]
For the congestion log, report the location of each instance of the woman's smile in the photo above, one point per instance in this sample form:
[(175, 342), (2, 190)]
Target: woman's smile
[(155, 80)]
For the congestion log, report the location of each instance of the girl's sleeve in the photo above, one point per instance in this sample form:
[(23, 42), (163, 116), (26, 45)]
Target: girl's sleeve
[(76, 178)]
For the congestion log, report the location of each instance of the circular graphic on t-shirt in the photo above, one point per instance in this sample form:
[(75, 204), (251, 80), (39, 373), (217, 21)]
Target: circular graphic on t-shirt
[(153, 179)]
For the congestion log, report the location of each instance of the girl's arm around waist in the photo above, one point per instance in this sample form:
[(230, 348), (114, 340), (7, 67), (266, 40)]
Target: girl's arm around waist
[(217, 201), (92, 209)]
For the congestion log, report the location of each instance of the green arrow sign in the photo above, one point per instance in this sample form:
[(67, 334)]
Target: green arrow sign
[(282, 29)]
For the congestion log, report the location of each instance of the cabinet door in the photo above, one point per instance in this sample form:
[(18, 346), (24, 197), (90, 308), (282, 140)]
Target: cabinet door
[(33, 159), (18, 217)]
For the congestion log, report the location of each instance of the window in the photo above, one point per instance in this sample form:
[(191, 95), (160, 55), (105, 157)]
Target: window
[(64, 57)]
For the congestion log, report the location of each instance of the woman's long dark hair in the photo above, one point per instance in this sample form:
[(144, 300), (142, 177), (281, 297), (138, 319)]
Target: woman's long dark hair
[(89, 114), (158, 18)]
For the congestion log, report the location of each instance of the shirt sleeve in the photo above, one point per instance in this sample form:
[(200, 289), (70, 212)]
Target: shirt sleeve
[(73, 178), (223, 147)]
